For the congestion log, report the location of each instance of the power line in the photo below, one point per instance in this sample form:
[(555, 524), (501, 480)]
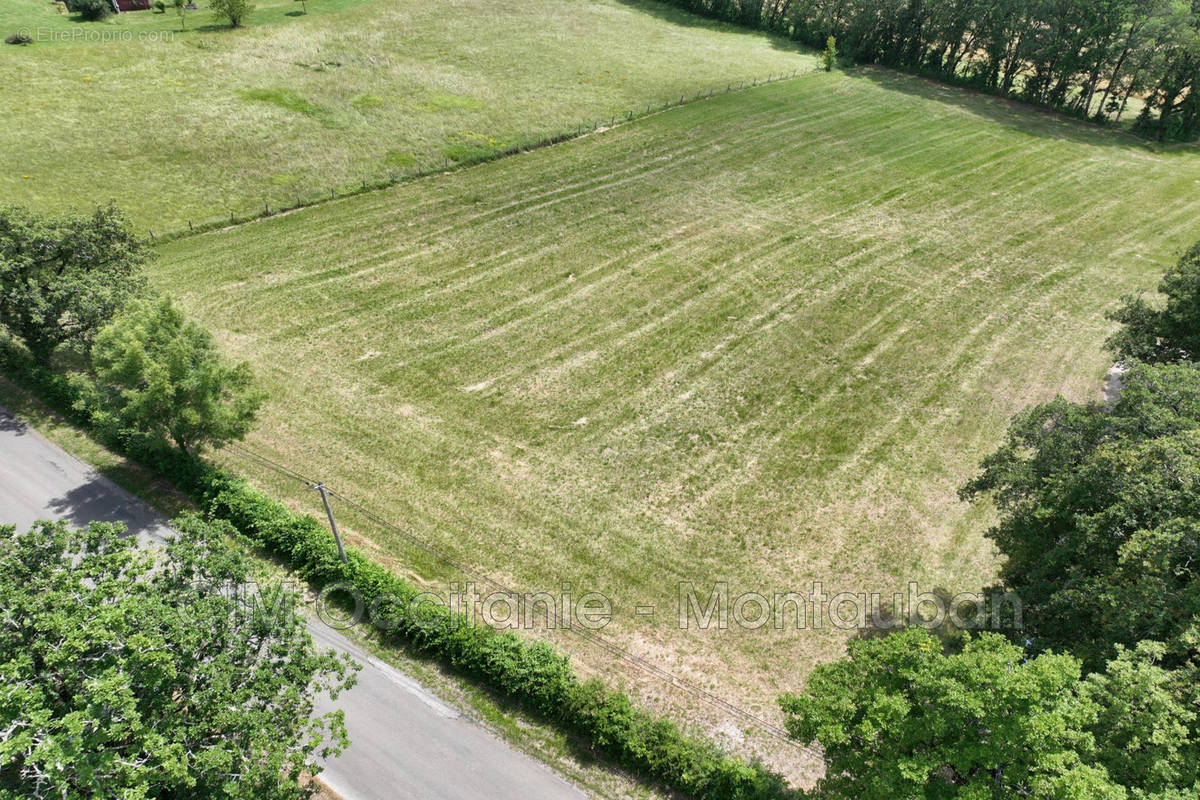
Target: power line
[(600, 641), (603, 643)]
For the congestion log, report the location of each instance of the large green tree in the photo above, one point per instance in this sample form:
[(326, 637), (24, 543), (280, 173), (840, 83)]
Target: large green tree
[(133, 674), (1100, 517), (1099, 527), (901, 720), (1146, 734), (1168, 332), (167, 379), (62, 279)]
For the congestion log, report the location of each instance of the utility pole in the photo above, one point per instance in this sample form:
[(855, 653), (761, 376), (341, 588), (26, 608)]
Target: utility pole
[(337, 537)]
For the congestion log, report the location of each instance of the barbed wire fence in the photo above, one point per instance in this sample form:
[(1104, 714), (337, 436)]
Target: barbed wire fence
[(447, 164)]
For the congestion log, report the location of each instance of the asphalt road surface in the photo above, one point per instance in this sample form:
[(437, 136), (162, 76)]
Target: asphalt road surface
[(405, 743)]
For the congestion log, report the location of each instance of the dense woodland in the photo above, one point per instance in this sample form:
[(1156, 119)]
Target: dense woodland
[(1102, 59)]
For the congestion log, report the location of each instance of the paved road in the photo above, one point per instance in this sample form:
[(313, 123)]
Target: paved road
[(406, 744)]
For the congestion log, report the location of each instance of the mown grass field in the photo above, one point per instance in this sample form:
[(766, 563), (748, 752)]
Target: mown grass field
[(216, 121), (759, 339)]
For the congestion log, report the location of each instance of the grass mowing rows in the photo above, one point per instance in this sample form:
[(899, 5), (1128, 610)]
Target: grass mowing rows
[(213, 121), (758, 339)]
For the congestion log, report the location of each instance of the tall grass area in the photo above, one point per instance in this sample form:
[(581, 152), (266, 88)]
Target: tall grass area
[(759, 339), (216, 121)]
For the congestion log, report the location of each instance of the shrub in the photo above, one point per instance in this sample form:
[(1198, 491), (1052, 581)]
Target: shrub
[(91, 10), (830, 56), (233, 11), (532, 674)]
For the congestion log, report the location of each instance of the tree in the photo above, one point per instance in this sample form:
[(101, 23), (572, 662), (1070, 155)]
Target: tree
[(1166, 334), (181, 8), (129, 673), (91, 10), (233, 11), (1146, 732), (304, 6), (166, 379), (1099, 517), (901, 720), (830, 56), (63, 279)]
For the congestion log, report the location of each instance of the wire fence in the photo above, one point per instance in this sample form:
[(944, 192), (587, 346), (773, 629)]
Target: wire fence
[(445, 164), (610, 648)]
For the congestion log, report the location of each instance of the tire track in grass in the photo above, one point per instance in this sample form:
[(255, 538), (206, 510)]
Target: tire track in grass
[(873, 264), (671, 158)]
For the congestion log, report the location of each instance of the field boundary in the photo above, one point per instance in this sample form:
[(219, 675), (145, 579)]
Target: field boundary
[(732, 710), (448, 165), (532, 674)]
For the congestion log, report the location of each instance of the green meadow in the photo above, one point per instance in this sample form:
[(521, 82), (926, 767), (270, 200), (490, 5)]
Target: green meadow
[(758, 339), (201, 123)]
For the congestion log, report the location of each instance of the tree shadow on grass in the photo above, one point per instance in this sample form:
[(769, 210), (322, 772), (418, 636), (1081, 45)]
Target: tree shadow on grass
[(1012, 114), (678, 16)]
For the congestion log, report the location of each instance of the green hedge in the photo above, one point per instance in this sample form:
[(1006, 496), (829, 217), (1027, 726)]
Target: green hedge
[(531, 674)]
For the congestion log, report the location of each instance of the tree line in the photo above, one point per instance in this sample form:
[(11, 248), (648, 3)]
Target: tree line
[(74, 301), (1089, 58), (1097, 695)]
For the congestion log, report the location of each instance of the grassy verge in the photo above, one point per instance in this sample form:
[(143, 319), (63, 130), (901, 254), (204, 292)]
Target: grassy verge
[(127, 474)]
